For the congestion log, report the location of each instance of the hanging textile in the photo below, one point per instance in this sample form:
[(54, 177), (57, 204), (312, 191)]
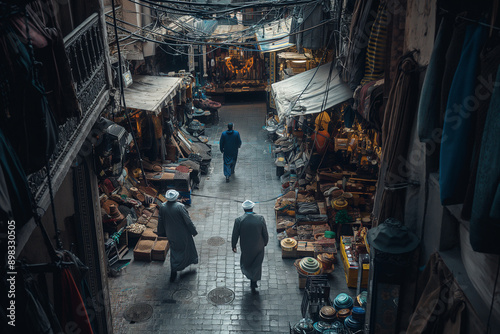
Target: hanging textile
[(396, 41), (321, 122), (15, 198), (442, 302), (488, 65), (56, 71), (452, 59), (456, 148), (74, 313), (429, 121), (396, 135), (377, 45), (485, 216), (311, 15), (360, 24), (25, 118), (34, 312)]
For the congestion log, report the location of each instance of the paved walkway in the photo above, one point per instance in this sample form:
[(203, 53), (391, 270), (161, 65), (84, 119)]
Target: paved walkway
[(183, 306)]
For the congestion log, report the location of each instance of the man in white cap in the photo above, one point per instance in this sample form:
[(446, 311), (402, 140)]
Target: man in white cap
[(175, 224), (251, 229)]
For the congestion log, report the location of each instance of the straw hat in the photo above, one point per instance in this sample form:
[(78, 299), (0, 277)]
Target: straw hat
[(115, 213)]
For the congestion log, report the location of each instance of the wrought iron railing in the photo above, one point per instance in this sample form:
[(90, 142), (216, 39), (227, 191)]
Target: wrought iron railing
[(85, 49)]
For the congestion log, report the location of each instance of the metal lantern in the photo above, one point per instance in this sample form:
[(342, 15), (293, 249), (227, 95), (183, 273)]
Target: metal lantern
[(391, 250)]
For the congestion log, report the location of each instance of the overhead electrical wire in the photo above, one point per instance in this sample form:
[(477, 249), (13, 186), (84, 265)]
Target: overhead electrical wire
[(191, 42)]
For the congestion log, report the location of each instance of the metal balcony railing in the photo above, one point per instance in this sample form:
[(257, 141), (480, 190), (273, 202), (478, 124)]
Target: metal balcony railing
[(86, 52)]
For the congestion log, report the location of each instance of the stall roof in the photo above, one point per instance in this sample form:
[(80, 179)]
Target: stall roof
[(151, 93), (287, 91), (292, 55), (274, 36)]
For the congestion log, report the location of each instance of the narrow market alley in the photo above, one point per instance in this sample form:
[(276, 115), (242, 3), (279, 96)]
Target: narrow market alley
[(184, 306)]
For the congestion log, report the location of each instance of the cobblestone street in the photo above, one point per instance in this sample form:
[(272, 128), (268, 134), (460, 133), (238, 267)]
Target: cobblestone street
[(183, 306)]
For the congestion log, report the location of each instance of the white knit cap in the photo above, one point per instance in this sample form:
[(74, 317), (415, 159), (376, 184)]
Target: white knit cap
[(172, 195), (247, 205)]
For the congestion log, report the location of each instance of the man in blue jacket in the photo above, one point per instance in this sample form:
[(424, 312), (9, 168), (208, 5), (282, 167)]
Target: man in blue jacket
[(229, 143)]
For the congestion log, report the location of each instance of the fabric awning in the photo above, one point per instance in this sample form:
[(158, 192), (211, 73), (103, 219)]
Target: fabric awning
[(274, 36), (286, 92), (151, 93)]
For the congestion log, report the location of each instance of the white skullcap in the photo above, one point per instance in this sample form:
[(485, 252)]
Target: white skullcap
[(172, 195), (247, 205)]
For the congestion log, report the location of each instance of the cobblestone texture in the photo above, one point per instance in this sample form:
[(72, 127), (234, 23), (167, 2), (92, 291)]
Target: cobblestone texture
[(178, 311)]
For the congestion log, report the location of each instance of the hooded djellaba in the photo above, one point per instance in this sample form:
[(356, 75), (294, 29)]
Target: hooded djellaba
[(175, 224), (251, 230)]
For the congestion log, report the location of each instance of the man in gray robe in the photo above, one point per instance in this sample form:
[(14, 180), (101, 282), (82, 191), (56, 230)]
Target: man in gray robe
[(175, 224), (251, 229)]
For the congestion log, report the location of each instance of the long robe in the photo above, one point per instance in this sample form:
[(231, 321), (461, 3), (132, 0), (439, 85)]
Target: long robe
[(229, 144), (251, 229), (175, 224)]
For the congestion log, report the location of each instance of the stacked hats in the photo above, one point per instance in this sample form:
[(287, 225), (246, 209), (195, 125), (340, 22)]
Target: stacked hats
[(358, 314), (309, 266), (326, 261), (343, 301), (343, 314), (353, 324), (328, 313), (288, 244), (321, 326)]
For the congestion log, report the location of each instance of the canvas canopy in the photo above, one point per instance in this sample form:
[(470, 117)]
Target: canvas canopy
[(304, 93), (151, 93)]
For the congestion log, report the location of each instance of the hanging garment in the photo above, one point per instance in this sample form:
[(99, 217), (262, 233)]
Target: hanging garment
[(251, 230), (485, 215), (488, 65), (396, 136), (377, 45), (452, 59), (442, 302), (396, 36), (361, 23), (74, 314), (429, 122), (321, 122), (456, 143), (34, 312), (175, 224), (16, 202), (349, 116), (25, 118), (56, 72)]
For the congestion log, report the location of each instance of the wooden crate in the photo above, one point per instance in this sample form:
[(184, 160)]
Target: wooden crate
[(289, 254), (160, 249), (351, 273), (142, 251), (305, 248)]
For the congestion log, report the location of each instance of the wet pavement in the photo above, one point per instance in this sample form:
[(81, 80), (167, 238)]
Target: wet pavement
[(184, 305)]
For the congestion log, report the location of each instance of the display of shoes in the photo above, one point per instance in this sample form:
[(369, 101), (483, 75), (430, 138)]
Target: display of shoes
[(227, 178)]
